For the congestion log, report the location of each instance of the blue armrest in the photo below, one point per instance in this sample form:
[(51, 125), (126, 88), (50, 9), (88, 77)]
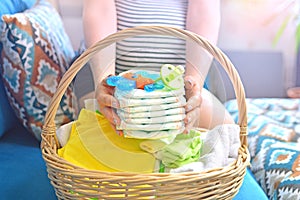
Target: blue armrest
[(23, 172), (250, 189)]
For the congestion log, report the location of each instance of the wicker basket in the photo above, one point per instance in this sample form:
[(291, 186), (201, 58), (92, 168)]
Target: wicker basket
[(73, 182)]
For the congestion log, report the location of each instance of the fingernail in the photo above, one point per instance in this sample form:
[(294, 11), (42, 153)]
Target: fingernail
[(188, 108), (189, 83)]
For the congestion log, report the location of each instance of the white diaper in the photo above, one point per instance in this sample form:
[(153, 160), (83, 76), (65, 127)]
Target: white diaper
[(154, 120), (139, 94), (150, 113), (125, 102), (151, 108)]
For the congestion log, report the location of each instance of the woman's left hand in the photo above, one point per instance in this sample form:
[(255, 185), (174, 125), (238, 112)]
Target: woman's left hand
[(194, 100)]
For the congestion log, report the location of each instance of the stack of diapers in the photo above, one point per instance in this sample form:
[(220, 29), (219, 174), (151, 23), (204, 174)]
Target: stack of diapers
[(151, 115), (153, 107)]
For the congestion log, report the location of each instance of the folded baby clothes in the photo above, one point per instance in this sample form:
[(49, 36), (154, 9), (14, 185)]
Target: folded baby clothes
[(93, 144), (185, 148), (220, 148), (160, 134), (64, 131)]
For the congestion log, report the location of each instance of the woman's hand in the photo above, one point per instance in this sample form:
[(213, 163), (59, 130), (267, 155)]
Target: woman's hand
[(107, 103), (194, 100)]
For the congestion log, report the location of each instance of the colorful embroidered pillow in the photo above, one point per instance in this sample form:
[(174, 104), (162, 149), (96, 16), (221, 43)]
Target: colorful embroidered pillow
[(274, 144), (276, 168), (36, 53), (7, 116)]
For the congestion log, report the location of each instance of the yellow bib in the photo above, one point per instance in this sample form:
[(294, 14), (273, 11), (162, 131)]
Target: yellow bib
[(93, 144)]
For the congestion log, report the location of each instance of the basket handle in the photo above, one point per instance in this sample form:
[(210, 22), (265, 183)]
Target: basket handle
[(49, 125)]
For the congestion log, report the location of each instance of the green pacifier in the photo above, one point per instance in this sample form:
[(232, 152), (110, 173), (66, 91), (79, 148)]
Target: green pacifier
[(172, 76)]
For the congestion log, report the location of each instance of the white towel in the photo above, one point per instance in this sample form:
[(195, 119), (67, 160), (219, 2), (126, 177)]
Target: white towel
[(220, 148), (63, 133)]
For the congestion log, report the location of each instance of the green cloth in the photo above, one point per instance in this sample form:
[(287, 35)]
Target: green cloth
[(185, 148)]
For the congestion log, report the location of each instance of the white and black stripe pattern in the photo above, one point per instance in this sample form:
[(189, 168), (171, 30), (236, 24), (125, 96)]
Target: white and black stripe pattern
[(150, 52)]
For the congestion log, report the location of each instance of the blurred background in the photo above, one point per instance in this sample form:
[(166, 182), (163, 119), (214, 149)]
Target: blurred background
[(259, 36)]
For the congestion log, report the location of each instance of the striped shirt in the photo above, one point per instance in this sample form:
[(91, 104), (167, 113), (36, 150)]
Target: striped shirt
[(150, 52)]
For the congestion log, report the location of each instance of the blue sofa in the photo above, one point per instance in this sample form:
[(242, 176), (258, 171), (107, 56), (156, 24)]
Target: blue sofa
[(23, 172)]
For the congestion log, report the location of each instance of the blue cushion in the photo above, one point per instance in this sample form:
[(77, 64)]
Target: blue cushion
[(6, 113), (273, 146), (7, 116), (23, 170), (29, 66), (14, 6), (250, 189)]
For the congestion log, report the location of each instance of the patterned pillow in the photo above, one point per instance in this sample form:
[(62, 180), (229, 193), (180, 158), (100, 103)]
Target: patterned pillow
[(36, 53), (276, 168), (7, 116), (274, 144)]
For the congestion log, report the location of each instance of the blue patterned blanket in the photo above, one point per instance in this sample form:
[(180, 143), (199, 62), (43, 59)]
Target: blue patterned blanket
[(274, 144)]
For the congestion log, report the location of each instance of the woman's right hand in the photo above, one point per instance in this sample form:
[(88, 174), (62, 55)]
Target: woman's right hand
[(107, 103)]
